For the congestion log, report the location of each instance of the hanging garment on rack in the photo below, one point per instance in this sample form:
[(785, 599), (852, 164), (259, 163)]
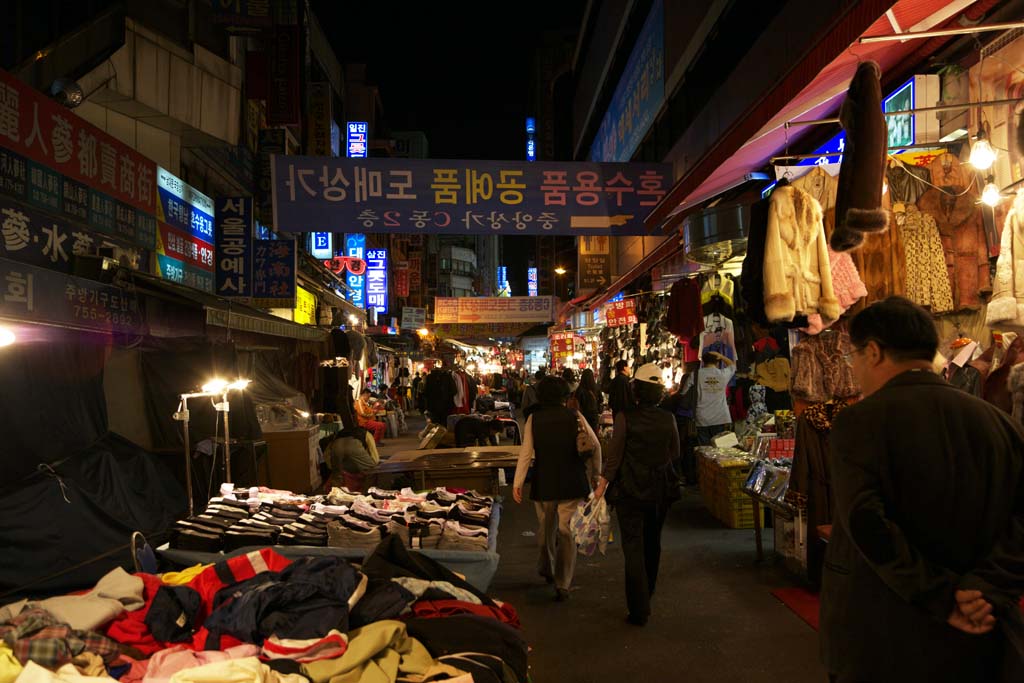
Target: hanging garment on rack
[(718, 336), (819, 369), (1007, 304), (927, 277), (906, 183), (848, 286), (880, 262), (717, 285), (963, 373), (797, 270), (685, 316), (823, 186), (996, 390), (956, 213)]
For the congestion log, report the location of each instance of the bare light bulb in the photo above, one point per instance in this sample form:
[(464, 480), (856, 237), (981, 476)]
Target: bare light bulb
[(6, 337), (239, 385), (982, 154), (990, 195)]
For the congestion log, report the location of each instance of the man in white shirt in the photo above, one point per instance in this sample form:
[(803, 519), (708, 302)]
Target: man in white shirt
[(713, 416)]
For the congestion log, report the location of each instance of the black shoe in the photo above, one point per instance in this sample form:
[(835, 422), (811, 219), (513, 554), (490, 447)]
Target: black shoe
[(561, 595), (635, 620)]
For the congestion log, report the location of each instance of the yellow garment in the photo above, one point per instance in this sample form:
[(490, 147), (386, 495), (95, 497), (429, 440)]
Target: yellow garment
[(10, 667), (90, 664), (184, 576), (774, 374), (34, 673), (377, 653), (244, 670)]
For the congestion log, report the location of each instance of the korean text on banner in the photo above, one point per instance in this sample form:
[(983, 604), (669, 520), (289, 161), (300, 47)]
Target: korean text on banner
[(185, 244), (377, 280), (620, 313), (466, 197), (234, 246), (274, 265), (493, 309), (40, 295), (37, 127), (413, 318)]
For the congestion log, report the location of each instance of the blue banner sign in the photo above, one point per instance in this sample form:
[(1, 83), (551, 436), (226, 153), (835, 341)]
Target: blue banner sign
[(377, 280), (322, 245), (358, 142), (183, 207), (531, 281), (638, 96), (274, 265), (355, 247), (234, 246), (467, 197)]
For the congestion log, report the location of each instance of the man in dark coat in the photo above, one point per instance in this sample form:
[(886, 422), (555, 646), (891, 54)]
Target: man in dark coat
[(620, 392), (439, 395), (925, 566)]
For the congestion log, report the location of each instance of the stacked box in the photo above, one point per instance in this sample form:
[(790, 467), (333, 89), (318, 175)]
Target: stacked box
[(722, 489)]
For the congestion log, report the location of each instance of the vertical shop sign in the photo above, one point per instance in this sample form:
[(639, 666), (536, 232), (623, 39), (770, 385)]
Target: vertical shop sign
[(358, 131), (531, 281), (320, 120), (377, 280), (283, 104), (305, 307), (274, 265), (271, 142), (185, 241), (322, 245), (234, 246), (621, 313), (594, 264), (355, 247), (401, 273)]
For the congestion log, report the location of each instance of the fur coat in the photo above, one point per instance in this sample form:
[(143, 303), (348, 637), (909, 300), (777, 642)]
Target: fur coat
[(797, 268), (1007, 304), (859, 207)]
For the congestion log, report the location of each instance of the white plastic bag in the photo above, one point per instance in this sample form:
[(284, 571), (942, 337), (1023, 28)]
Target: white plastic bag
[(591, 525)]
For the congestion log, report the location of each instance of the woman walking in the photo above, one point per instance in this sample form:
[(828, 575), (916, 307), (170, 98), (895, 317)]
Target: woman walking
[(587, 397), (559, 479), (642, 485)]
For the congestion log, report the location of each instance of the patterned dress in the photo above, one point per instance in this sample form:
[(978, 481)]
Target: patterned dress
[(927, 276)]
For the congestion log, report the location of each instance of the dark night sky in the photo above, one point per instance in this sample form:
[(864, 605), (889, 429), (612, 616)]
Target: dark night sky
[(459, 71)]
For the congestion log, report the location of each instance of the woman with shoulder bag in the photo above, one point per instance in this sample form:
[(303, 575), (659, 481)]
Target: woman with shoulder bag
[(587, 398), (641, 483), (560, 480)]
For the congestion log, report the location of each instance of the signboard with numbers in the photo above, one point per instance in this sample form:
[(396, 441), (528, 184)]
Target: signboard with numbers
[(234, 246), (34, 237), (41, 130), (377, 280), (274, 265), (620, 313), (466, 197), (494, 309), (41, 295)]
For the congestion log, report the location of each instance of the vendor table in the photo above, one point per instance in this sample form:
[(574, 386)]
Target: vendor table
[(474, 468), (478, 567)]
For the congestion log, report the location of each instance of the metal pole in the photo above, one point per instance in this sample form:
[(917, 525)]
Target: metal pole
[(188, 460), (942, 32), (918, 110), (227, 441)]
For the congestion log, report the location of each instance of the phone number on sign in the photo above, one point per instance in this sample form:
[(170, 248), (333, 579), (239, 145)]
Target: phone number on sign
[(103, 315)]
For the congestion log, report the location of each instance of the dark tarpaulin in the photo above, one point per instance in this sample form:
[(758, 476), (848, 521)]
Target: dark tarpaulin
[(65, 528)]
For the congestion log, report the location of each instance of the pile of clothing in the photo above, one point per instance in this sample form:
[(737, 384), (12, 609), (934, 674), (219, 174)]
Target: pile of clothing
[(261, 617), (440, 519)]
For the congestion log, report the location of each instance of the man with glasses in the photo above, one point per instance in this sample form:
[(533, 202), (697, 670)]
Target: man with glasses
[(925, 566)]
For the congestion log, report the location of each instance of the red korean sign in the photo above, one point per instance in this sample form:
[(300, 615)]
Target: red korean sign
[(563, 345), (620, 313), (185, 248), (39, 128), (400, 279)]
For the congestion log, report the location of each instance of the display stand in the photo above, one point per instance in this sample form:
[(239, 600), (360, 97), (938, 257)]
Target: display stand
[(474, 468), (292, 459)]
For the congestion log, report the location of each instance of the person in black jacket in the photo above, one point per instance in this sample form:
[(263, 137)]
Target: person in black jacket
[(924, 569), (588, 398), (439, 395), (559, 479), (620, 394), (644, 445)]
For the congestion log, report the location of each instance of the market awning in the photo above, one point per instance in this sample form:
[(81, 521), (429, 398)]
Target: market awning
[(812, 89)]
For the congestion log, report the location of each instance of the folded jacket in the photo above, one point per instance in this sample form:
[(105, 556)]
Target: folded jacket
[(187, 539), (330, 646), (233, 540)]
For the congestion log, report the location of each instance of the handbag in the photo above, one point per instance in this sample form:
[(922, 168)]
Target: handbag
[(586, 445)]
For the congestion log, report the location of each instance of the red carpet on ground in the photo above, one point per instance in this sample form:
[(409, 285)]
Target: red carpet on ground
[(804, 603)]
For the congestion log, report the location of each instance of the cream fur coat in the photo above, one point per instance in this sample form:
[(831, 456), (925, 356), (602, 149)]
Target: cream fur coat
[(1007, 304), (797, 269)]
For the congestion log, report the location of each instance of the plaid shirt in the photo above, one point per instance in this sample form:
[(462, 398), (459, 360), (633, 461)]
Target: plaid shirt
[(36, 635)]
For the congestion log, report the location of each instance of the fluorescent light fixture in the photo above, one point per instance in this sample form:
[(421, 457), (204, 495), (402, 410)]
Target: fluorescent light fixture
[(7, 337), (955, 135), (215, 386)]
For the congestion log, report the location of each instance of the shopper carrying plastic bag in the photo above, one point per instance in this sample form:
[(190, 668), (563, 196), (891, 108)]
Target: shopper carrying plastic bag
[(591, 526)]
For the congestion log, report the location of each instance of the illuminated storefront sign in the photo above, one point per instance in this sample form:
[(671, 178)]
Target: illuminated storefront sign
[(377, 280), (355, 247)]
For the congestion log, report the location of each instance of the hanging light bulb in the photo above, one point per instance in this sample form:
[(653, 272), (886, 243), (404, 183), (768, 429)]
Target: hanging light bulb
[(990, 194), (983, 155)]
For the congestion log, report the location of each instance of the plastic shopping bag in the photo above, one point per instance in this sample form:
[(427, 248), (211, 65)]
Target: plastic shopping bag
[(591, 525)]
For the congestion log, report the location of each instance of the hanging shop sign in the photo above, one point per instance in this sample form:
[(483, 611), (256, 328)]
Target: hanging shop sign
[(185, 241), (495, 309), (401, 278), (285, 69), (594, 262), (322, 245), (479, 330), (234, 246), (274, 266), (320, 119), (305, 307), (413, 318), (563, 346), (35, 238), (531, 282), (355, 248), (341, 264), (620, 313), (377, 280), (466, 197), (271, 142), (638, 96), (41, 295), (357, 141)]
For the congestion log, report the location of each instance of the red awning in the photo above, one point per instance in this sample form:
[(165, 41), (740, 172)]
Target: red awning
[(819, 84)]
